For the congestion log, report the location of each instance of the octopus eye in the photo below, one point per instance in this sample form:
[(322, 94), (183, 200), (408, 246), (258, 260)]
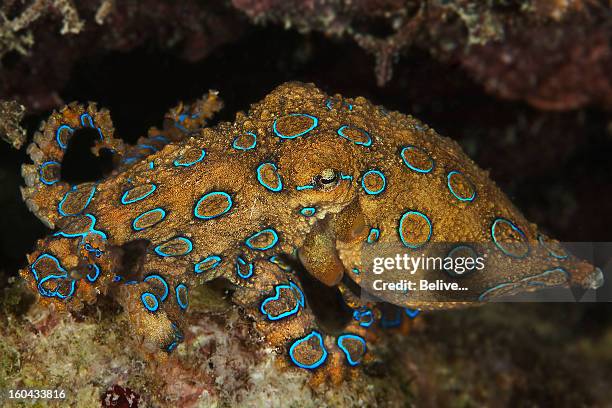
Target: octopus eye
[(327, 179)]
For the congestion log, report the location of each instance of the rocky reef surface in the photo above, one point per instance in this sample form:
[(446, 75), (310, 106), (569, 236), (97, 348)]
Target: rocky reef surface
[(544, 354)]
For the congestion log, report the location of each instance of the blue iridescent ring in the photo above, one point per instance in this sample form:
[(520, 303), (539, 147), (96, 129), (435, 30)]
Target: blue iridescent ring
[(401, 229), (452, 190), (502, 221), (349, 358), (380, 176), (306, 338), (182, 300), (411, 166), (206, 264), (149, 301), (159, 278), (314, 120), (367, 142)]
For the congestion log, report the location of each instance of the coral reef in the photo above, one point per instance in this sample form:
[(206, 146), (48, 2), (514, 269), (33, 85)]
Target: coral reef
[(219, 364), (12, 36), (11, 114), (39, 53), (553, 54)]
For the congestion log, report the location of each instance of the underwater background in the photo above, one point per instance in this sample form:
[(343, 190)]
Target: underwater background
[(524, 86)]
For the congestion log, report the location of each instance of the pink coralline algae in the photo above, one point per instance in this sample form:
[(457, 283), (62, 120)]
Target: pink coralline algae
[(120, 397)]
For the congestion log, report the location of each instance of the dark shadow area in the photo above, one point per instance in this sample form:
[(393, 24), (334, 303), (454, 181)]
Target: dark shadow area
[(326, 303), (80, 164)]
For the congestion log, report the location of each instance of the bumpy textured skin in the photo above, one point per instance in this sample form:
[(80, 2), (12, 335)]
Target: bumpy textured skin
[(302, 176)]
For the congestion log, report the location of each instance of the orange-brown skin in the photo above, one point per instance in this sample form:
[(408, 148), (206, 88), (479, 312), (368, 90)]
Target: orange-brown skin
[(323, 168)]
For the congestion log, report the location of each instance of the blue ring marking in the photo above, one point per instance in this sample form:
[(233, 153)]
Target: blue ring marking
[(450, 253), (374, 192), (525, 279), (197, 268), (400, 229), (151, 165), (481, 298), (89, 248), (514, 228), (315, 123), (412, 313), (160, 252), (204, 197), (160, 138), (450, 188), (299, 301), (355, 271), (280, 263), (358, 315), (178, 338), (159, 209), (296, 343), (278, 177), (163, 282), (550, 251), (252, 146), (346, 177), (458, 247), (147, 295), (142, 197), (410, 166), (83, 235), (342, 128), (340, 342), (58, 134), (45, 256), (391, 323), (328, 104), (308, 211), (547, 272), (241, 262), (74, 188), (183, 303), (96, 270), (177, 163), (55, 292), (147, 146), (373, 235), (64, 275), (304, 187), (88, 116), (117, 278), (42, 177), (265, 231)]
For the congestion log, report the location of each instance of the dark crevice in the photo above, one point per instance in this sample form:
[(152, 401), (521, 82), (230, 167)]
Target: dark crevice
[(132, 259), (80, 164), (326, 303)]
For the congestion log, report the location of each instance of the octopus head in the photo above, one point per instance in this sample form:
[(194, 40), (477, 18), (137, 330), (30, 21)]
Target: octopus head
[(322, 176)]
